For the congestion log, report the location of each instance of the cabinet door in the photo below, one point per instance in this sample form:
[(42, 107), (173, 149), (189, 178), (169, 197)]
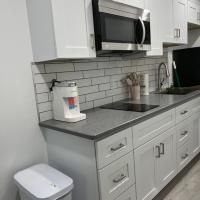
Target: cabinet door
[(198, 15), (192, 12), (134, 3), (73, 40), (195, 136), (167, 25), (156, 43), (145, 172), (165, 167), (180, 21)]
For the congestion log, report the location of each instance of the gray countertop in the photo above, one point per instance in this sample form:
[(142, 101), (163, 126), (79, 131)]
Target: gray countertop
[(101, 123)]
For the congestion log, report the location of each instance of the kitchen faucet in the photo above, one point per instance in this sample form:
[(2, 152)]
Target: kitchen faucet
[(160, 83)]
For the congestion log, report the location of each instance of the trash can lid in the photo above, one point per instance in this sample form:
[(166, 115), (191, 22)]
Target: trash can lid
[(43, 182)]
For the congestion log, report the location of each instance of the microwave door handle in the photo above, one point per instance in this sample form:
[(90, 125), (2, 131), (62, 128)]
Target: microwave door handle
[(143, 29)]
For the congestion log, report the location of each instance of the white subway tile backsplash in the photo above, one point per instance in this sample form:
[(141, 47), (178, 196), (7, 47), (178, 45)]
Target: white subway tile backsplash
[(138, 62), (44, 97), (88, 90), (44, 78), (117, 77), (120, 97), (128, 69), (85, 66), (94, 96), (105, 86), (93, 73), (100, 81), (124, 63), (108, 64), (86, 106), (64, 67), (113, 85), (69, 76), (83, 82), (101, 102), (116, 91), (82, 99), (40, 88), (46, 116), (47, 106), (38, 69), (113, 71)]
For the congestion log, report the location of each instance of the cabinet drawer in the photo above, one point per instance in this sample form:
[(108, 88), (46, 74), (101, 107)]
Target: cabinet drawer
[(113, 147), (183, 156), (183, 132), (130, 194), (195, 105), (187, 109), (149, 129), (117, 177)]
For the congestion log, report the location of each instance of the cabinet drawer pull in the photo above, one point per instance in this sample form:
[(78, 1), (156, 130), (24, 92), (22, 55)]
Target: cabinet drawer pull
[(158, 152), (117, 180), (176, 32), (162, 145), (184, 112), (118, 147), (184, 133), (92, 38), (198, 16), (184, 156)]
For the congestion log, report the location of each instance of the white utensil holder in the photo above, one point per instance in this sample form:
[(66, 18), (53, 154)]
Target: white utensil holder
[(135, 92)]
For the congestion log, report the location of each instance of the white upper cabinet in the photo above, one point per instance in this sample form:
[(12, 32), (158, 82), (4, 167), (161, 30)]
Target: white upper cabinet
[(180, 21), (193, 13), (134, 3), (156, 43), (61, 29), (174, 21)]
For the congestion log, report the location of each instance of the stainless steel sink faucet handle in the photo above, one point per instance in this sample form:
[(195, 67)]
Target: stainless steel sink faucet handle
[(167, 73)]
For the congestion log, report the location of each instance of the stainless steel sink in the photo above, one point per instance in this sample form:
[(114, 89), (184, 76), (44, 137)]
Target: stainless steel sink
[(176, 91)]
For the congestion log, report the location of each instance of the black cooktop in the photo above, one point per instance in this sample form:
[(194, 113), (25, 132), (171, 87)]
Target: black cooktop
[(129, 107)]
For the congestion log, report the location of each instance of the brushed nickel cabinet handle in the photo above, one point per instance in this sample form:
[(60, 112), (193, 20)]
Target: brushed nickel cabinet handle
[(162, 145), (184, 112), (184, 133), (158, 151), (92, 41), (176, 32), (118, 147), (117, 180), (184, 156)]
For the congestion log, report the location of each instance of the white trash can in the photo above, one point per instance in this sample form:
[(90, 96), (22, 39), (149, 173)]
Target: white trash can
[(43, 182)]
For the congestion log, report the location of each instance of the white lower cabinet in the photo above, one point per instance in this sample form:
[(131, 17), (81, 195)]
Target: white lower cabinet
[(195, 137), (183, 156), (117, 177), (155, 165), (130, 194)]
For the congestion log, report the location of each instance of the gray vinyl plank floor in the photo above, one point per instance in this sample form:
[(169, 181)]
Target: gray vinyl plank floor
[(186, 185)]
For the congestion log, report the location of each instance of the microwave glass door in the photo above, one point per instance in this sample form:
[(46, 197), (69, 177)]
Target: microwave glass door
[(117, 29)]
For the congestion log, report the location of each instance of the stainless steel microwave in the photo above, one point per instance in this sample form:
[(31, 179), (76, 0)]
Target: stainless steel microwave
[(120, 28)]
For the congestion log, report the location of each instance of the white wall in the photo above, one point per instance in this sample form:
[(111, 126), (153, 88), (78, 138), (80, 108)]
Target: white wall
[(21, 141)]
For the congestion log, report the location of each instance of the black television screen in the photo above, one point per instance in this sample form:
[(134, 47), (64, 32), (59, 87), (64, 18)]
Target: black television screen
[(188, 66)]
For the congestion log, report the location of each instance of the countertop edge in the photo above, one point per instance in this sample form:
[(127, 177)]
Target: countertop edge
[(129, 124)]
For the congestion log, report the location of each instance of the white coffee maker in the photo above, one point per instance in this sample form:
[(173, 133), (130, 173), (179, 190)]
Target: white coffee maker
[(66, 102)]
